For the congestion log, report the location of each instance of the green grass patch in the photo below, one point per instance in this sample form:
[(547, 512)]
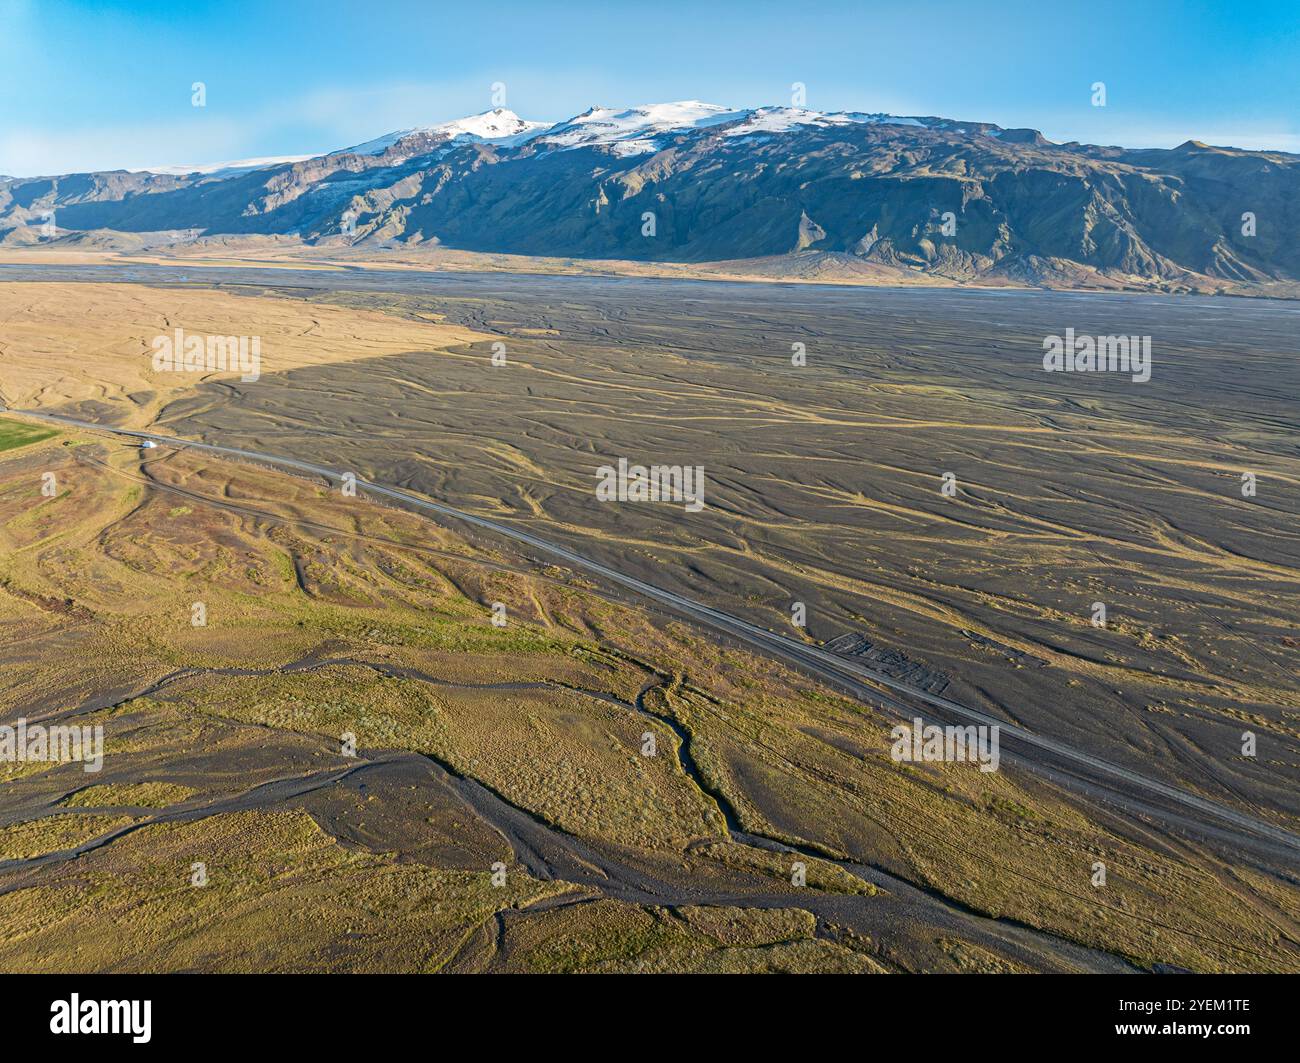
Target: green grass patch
[(15, 434)]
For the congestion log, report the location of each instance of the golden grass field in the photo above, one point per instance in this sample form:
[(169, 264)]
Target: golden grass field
[(91, 344)]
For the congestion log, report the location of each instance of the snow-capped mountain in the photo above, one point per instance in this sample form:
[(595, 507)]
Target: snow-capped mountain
[(500, 126), (878, 191), (637, 130), (783, 119), (641, 130)]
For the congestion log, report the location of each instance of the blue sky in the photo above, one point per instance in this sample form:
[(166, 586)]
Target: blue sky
[(98, 85)]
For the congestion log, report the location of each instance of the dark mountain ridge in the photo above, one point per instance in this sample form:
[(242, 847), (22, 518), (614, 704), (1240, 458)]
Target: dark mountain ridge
[(955, 199)]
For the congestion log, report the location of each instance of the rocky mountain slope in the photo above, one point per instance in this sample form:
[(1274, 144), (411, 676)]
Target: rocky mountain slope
[(696, 182)]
